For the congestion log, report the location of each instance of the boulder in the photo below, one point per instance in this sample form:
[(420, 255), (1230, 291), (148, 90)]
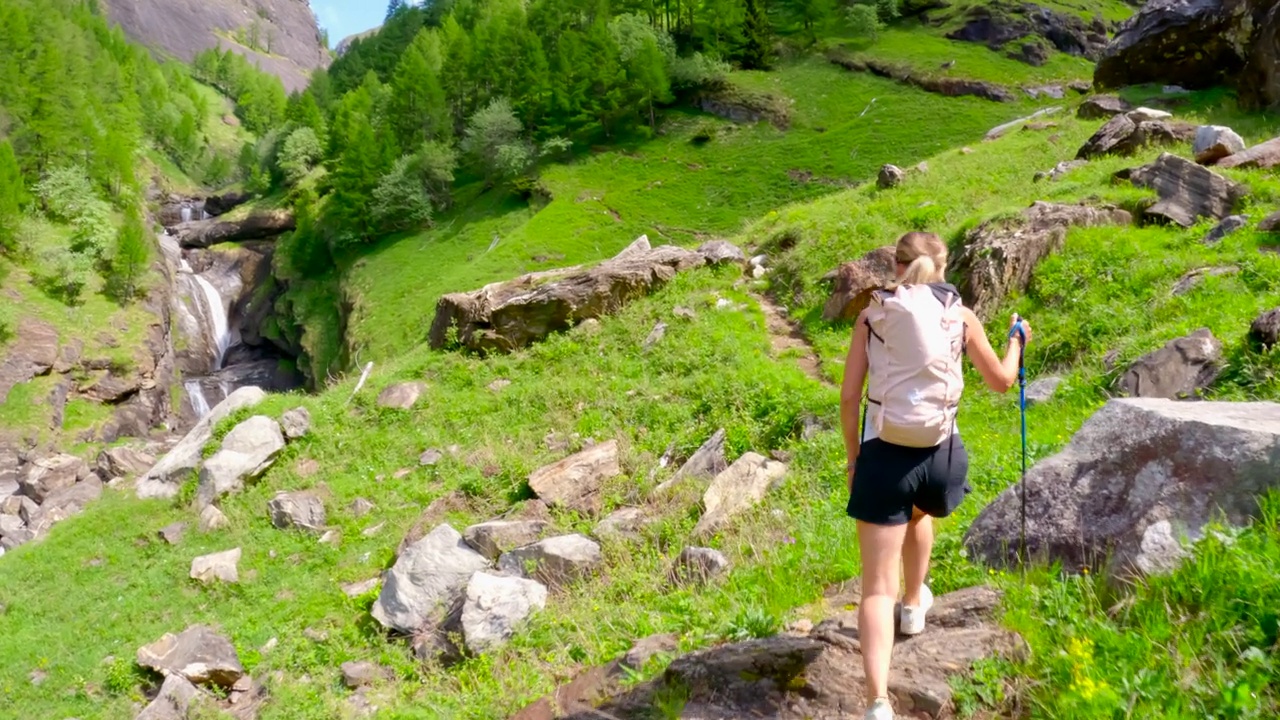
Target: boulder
[(707, 462), (10, 524), (495, 607), (247, 451), (172, 533), (739, 488), (1102, 106), (401, 396), (430, 457), (211, 518), (855, 281), (655, 336), (1228, 225), (1136, 463), (32, 352), (1186, 190), (13, 539), (296, 423), (361, 507), (47, 475), (258, 225), (1265, 330), (303, 510), (1215, 142), (124, 462), (72, 500), (1270, 223), (173, 702), (891, 176), (429, 577), (1000, 256), (622, 523), (556, 561), (575, 481), (699, 565), (1265, 155), (221, 566), (199, 654), (492, 539), (1181, 368), (110, 388), (509, 315), (1042, 390), (163, 479), (362, 674), (1127, 134), (998, 23), (1190, 280), (720, 252)]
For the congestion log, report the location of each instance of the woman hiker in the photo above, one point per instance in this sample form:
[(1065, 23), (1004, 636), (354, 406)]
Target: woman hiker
[(907, 464)]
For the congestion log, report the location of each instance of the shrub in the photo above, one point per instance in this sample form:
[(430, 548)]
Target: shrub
[(400, 201), (300, 153)]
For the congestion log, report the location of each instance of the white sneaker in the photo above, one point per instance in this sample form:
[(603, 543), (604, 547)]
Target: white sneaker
[(880, 710), (912, 618)]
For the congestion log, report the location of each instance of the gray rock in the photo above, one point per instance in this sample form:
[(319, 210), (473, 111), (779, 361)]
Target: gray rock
[(362, 674), (16, 538), (739, 488), (198, 654), (217, 566), (637, 248), (648, 648), (495, 607), (361, 507), (575, 481), (555, 562), (1130, 133), (9, 487), (303, 510), (1136, 463), (1215, 142), (625, 522), (10, 524), (854, 282), (163, 479), (707, 462), (1228, 225), (1263, 155), (296, 423), (699, 565), (211, 518), (1186, 191), (891, 176), (124, 462), (718, 252), (1193, 278), (430, 457), (1160, 550), (430, 576), (401, 396), (492, 539), (1042, 390), (173, 702), (1103, 106), (247, 451), (172, 534), (47, 475), (1265, 330), (655, 336), (1181, 368), (356, 589), (73, 500)]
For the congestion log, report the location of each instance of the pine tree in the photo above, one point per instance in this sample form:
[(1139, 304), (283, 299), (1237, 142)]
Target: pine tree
[(129, 259), (648, 72), (395, 7), (12, 197), (417, 109), (757, 53)]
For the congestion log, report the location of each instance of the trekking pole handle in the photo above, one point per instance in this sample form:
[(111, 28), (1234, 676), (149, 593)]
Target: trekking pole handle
[(1018, 330)]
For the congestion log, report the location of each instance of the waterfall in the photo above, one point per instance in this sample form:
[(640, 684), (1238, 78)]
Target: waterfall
[(217, 316), (186, 214), (196, 393)]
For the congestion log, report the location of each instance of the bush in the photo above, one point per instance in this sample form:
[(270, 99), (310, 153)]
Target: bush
[(300, 153), (864, 21), (64, 191), (63, 274), (698, 72), (400, 201), (437, 162)]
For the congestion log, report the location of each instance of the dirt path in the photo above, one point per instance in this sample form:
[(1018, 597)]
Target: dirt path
[(786, 337)]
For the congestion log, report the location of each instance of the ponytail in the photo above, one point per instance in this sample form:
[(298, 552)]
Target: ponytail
[(925, 256)]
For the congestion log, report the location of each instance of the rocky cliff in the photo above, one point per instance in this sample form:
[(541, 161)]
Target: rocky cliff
[(281, 36), (1198, 44)]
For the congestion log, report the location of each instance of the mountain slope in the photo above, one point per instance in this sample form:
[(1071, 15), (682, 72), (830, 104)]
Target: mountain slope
[(280, 36)]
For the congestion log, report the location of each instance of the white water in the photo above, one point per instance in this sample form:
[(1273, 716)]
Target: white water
[(198, 401), (218, 316)]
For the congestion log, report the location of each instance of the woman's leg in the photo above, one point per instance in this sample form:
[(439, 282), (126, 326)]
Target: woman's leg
[(881, 548), (915, 555)]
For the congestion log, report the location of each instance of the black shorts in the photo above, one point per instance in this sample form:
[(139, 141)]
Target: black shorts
[(889, 479)]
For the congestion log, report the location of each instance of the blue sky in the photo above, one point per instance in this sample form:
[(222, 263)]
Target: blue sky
[(347, 17)]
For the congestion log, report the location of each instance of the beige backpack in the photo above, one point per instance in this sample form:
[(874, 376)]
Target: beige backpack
[(914, 354)]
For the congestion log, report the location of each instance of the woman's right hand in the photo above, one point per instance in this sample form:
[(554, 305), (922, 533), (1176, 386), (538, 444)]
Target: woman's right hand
[(1025, 335)]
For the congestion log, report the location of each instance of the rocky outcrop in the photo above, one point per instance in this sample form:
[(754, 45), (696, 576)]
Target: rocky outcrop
[(279, 36), (815, 674), (493, 538), (199, 655), (739, 488), (33, 352), (1000, 23), (1103, 106), (555, 562), (257, 226), (941, 85), (1133, 131), (123, 461), (1186, 191), (1198, 44), (1000, 256), (1263, 155), (575, 481), (162, 480), (1135, 464), (247, 451), (495, 607), (427, 582), (1180, 369), (855, 281), (509, 315)]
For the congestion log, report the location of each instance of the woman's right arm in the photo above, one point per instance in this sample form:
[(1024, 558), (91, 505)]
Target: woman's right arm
[(1000, 375)]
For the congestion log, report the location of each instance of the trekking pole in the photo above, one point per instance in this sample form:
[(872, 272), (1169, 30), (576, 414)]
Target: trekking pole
[(1022, 408)]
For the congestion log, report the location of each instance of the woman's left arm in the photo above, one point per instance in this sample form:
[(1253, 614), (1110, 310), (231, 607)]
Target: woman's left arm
[(855, 375)]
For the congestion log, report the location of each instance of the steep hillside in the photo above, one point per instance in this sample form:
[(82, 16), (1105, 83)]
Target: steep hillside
[(279, 36)]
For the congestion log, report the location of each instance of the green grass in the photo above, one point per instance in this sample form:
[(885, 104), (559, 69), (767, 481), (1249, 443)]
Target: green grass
[(668, 187), (924, 53)]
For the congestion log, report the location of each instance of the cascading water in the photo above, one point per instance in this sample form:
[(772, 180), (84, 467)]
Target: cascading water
[(219, 335), (198, 401)]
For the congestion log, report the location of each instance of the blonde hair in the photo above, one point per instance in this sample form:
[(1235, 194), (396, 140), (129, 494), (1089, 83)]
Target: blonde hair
[(925, 256)]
